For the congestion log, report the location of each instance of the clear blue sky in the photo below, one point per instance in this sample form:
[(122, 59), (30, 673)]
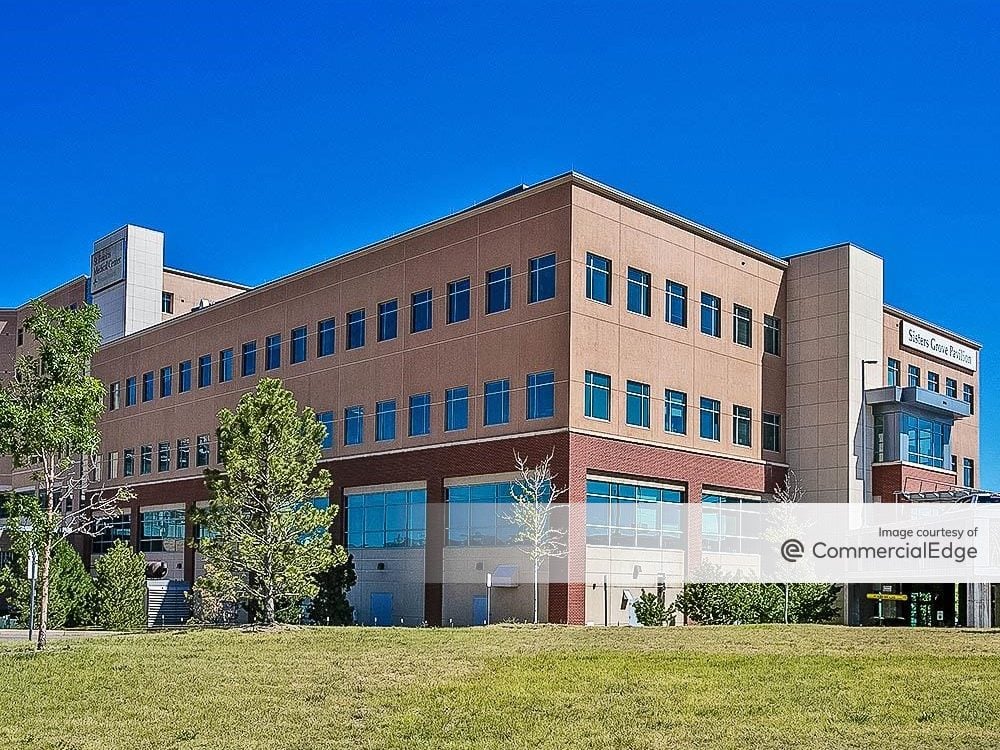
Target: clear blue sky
[(263, 137)]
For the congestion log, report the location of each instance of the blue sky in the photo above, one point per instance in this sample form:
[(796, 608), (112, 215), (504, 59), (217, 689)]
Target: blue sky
[(263, 137)]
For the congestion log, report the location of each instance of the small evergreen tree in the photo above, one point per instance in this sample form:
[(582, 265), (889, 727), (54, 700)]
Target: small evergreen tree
[(120, 581), (214, 599), (330, 605), (71, 589)]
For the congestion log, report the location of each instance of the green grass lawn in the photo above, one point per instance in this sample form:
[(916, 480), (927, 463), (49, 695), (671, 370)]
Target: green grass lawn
[(519, 687)]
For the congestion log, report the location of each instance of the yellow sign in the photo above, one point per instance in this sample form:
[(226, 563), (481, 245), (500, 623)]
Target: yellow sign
[(889, 597)]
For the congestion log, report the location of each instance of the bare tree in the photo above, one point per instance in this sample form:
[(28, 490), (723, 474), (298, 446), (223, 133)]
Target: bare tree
[(791, 491), (535, 497)]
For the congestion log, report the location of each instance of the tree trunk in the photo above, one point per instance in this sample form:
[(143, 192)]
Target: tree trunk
[(269, 614), (43, 607), (536, 592)]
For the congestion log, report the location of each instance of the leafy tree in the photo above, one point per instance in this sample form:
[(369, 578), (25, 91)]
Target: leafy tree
[(330, 605), (214, 599), (120, 581), (532, 512), (48, 422), (264, 532), (650, 610), (753, 603), (71, 589)]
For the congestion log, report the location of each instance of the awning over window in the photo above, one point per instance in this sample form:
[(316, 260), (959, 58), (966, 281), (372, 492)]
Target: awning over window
[(920, 397)]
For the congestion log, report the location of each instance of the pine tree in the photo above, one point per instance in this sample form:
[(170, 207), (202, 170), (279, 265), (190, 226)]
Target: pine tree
[(120, 582), (330, 605), (71, 589)]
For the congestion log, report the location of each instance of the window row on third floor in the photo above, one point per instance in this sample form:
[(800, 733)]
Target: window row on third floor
[(639, 301), (893, 376)]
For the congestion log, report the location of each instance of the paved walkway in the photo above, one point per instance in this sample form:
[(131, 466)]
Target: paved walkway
[(14, 636)]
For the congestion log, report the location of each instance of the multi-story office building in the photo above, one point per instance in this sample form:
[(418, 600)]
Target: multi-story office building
[(660, 361)]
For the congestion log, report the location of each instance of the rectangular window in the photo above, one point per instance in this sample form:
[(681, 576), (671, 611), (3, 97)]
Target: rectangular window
[(167, 303), (677, 299), (388, 319), (185, 376), (711, 315), (146, 459), (496, 402), (420, 414), (128, 462), (771, 427), (598, 279), (161, 531), (115, 396), (248, 364), (933, 382), (299, 345), (924, 440), (272, 352), (541, 395), (542, 278), (630, 514), (166, 381), (954, 466), (354, 425), (772, 335), (183, 453), (204, 370), (163, 457), (326, 335), (456, 408), (326, 419), (968, 472), (225, 365), (969, 397), (420, 311), (131, 393), (355, 329), (377, 520), (385, 420), (951, 387), (892, 372), (913, 376), (742, 425), (147, 387), (459, 300), (477, 515), (675, 406), (498, 290), (636, 404), (742, 325), (202, 452), (112, 466), (710, 412), (597, 395), (640, 289)]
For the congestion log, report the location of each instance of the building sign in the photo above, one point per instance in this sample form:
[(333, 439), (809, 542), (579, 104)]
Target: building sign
[(107, 266), (940, 347), (888, 597)]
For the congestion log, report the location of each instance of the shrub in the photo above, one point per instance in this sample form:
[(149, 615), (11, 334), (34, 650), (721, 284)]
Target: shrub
[(120, 582)]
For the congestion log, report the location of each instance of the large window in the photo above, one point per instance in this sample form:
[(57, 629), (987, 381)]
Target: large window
[(166, 381), (272, 352), (498, 290), (456, 408), (131, 392), (385, 420), (162, 531), (225, 365), (730, 524), (710, 410), (925, 440), (640, 290), (248, 354), (892, 372), (420, 414), (677, 296), (542, 278), (772, 335), (913, 376), (477, 515), (387, 519), (969, 397), (675, 412), (541, 395), (742, 425), (598, 279), (204, 370), (326, 337), (355, 329), (388, 320), (626, 514), (147, 386), (771, 432), (420, 311), (118, 528), (597, 395), (354, 425), (326, 419), (496, 402), (299, 345), (711, 315), (636, 404), (458, 300), (742, 325)]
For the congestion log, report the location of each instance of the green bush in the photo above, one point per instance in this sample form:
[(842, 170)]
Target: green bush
[(120, 583), (71, 589), (650, 610)]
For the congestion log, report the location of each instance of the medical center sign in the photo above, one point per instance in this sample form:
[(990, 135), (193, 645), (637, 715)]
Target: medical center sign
[(940, 347), (107, 266)]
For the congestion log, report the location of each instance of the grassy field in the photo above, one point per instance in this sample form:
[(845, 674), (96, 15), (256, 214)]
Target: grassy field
[(512, 687)]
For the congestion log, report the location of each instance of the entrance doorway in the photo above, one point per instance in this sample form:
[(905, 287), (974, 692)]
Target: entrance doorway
[(479, 612), (381, 608)]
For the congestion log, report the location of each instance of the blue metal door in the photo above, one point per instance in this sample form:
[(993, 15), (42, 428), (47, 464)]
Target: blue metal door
[(479, 610), (381, 605)]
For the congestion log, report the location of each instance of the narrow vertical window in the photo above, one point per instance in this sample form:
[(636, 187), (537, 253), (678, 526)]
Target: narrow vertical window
[(541, 395), (388, 320), (542, 278), (183, 453), (354, 425), (147, 387), (272, 352), (496, 402), (498, 290), (675, 412), (166, 381), (326, 419), (639, 297), (597, 395), (913, 376), (184, 370), (742, 425), (355, 329), (598, 279), (637, 404), (131, 392), (459, 300), (456, 408), (385, 420), (969, 397), (225, 365), (742, 325), (420, 414), (677, 303), (298, 345), (892, 372), (771, 427), (421, 311), (204, 370), (772, 335), (326, 333), (709, 428), (711, 315), (248, 366)]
